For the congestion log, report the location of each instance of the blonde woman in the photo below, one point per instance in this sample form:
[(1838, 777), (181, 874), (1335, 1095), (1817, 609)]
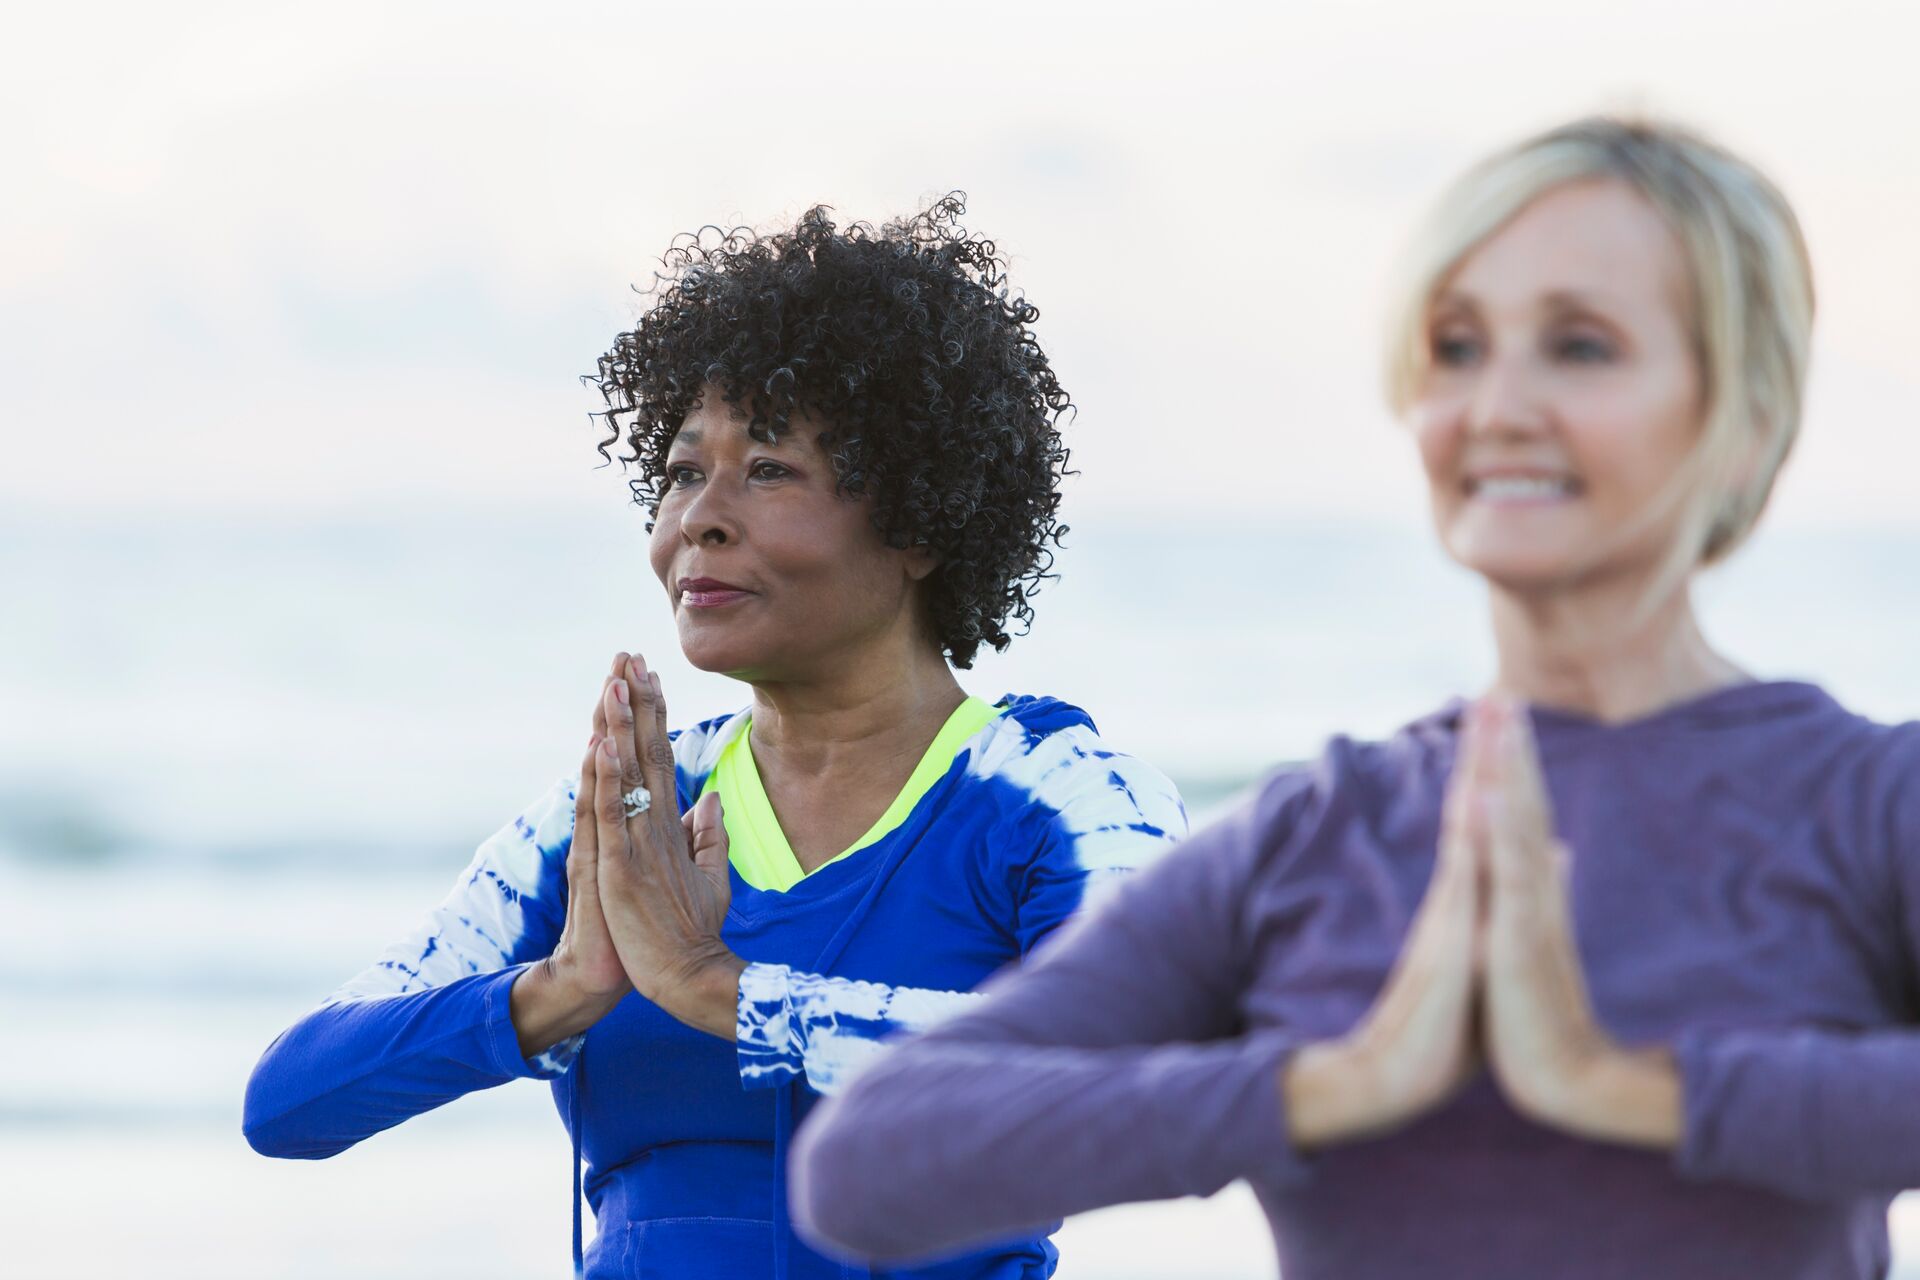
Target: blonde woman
[(1609, 973)]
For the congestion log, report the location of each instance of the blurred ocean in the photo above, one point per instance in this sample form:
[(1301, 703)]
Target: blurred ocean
[(237, 756)]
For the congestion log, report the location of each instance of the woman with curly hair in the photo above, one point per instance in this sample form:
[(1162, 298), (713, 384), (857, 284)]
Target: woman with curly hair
[(847, 441), (1612, 972)]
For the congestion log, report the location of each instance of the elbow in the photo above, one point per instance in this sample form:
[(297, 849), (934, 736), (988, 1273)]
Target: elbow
[(266, 1134), (270, 1114), (262, 1123), (279, 1142), (279, 1136), (267, 1138), (259, 1114)]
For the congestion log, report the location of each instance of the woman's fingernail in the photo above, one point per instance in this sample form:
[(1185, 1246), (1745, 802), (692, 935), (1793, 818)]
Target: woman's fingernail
[(620, 691), (607, 750)]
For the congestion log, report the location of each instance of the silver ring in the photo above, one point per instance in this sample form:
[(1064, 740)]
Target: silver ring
[(639, 800)]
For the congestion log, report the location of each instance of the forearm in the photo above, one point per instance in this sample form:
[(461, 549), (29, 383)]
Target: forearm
[(1110, 1067), (1812, 1112), (546, 1009), (940, 1144), (790, 1023), (709, 998), (1325, 1098), (1628, 1096), (354, 1068)]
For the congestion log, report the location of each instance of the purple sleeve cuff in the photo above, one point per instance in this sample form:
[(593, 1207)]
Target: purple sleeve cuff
[(1806, 1111), (1742, 1114)]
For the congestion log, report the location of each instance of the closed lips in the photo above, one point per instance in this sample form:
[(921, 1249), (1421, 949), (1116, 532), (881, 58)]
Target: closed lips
[(708, 591)]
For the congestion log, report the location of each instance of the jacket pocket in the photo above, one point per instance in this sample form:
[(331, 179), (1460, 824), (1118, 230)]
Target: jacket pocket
[(697, 1249)]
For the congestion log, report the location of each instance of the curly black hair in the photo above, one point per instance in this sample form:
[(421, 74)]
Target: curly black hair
[(906, 342)]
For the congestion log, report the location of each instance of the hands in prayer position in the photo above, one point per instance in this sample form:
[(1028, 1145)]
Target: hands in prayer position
[(646, 894), (1489, 974), (663, 880)]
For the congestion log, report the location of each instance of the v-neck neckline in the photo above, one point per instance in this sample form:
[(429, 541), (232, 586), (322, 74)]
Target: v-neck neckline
[(765, 858)]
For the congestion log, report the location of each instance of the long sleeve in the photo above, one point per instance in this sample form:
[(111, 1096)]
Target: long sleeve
[(826, 1028), (1816, 1112), (1100, 817), (1113, 1067), (1819, 1114), (429, 1020)]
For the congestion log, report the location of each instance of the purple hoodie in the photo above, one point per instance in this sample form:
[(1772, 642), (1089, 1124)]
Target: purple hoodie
[(1746, 890)]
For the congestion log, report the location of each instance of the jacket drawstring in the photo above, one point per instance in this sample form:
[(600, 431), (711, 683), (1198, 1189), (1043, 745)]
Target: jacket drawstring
[(573, 1124), (782, 1229), (783, 1098)]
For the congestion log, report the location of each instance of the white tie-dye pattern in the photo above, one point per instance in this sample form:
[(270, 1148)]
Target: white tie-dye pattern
[(1118, 813), (697, 750), (827, 1027), (479, 926)]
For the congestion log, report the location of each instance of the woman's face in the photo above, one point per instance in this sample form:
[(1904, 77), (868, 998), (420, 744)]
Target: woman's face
[(1562, 392), (772, 575)]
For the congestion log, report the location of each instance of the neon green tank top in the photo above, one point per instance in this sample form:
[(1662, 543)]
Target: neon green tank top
[(757, 846)]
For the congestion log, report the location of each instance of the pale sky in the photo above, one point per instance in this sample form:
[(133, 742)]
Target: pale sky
[(268, 259), (298, 257)]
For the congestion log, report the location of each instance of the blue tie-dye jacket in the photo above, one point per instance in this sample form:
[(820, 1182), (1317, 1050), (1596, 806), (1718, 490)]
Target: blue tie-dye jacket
[(683, 1133)]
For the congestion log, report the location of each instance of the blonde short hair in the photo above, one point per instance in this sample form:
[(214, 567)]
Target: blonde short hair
[(1752, 290)]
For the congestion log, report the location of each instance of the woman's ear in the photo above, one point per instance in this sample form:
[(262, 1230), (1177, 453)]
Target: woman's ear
[(1747, 463), (1735, 506), (921, 562)]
